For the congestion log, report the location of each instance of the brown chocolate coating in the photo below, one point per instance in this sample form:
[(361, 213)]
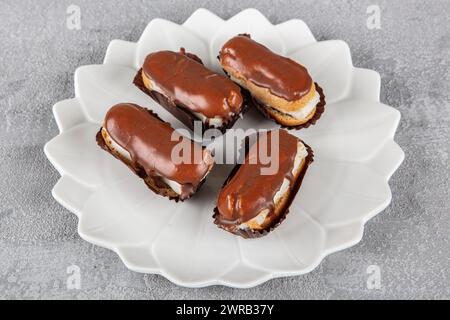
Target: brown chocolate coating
[(248, 191), (183, 114), (187, 82), (283, 77), (149, 142)]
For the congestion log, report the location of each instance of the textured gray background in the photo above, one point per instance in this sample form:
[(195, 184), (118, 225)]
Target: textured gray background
[(409, 240)]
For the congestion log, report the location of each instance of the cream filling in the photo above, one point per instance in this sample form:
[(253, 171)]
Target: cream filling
[(302, 153), (215, 122), (305, 111), (175, 186), (302, 113), (257, 221)]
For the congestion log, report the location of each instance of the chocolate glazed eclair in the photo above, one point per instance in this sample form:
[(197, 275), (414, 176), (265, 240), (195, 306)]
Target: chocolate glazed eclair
[(252, 202), (153, 150), (281, 88), (180, 83)]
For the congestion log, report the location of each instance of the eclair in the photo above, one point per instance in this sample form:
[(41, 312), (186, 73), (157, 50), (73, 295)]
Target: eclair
[(281, 88), (180, 83), (170, 164), (256, 196)]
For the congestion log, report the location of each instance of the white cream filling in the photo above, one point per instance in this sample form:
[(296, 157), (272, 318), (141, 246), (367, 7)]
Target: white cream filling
[(283, 189), (261, 217), (256, 221), (124, 153), (306, 109), (302, 153), (216, 122), (302, 113)]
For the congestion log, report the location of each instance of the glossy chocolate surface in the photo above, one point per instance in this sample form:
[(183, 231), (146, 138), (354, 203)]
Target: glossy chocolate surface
[(283, 77), (190, 84), (249, 191), (150, 143)]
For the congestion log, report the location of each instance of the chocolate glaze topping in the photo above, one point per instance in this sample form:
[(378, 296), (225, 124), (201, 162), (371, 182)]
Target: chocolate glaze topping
[(248, 191), (148, 140), (189, 83), (283, 77)]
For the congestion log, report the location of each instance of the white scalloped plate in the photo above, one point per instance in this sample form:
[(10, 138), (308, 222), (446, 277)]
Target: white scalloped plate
[(347, 184)]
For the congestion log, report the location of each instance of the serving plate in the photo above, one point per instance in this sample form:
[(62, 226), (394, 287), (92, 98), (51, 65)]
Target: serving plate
[(346, 185)]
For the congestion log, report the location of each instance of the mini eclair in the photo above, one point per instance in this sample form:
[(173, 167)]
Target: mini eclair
[(252, 201), (153, 150), (280, 87), (190, 91)]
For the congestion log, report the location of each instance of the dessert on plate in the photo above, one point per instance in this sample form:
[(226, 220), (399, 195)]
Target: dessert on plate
[(170, 164), (256, 196), (280, 87), (180, 83)]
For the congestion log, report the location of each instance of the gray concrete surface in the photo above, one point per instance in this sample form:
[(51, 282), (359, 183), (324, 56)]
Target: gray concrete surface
[(409, 241)]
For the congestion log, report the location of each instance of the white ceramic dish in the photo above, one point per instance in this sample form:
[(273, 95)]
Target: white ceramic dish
[(347, 184)]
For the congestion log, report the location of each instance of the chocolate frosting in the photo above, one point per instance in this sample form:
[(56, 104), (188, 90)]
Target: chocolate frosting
[(283, 77), (187, 82), (248, 191), (149, 142)]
